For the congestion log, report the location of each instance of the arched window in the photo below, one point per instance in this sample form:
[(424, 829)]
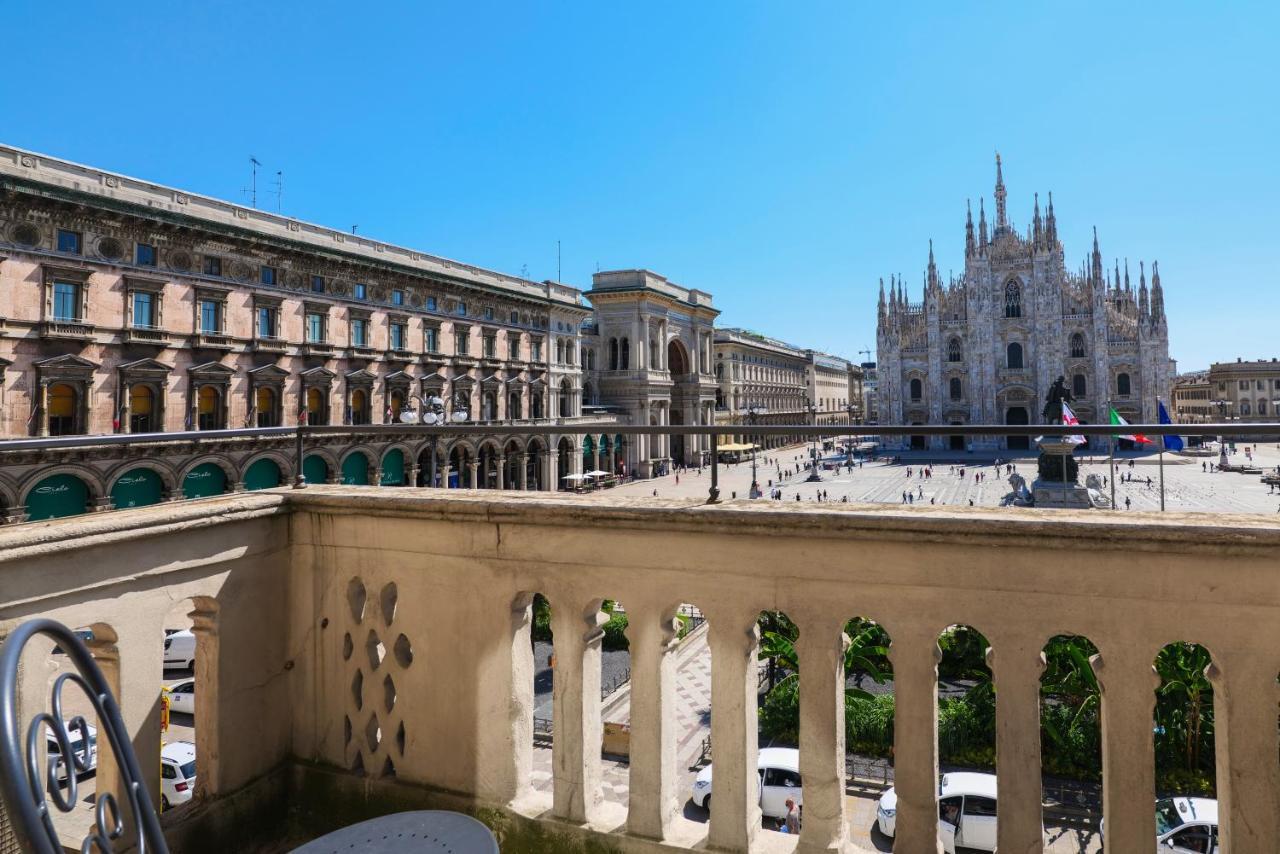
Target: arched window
[(64, 406), (917, 390), (1013, 299), (1244, 408), (264, 406), (1262, 406), (1013, 355), (566, 399), (359, 407), (141, 408), (957, 389), (1122, 385), (624, 361), (513, 406), (613, 354), (209, 408), (1077, 346), (1079, 387), (317, 412), (954, 351)]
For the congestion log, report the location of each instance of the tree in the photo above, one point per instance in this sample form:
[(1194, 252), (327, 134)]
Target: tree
[(1184, 700)]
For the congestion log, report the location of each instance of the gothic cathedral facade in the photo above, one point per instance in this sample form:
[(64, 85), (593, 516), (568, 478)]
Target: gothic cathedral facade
[(985, 347)]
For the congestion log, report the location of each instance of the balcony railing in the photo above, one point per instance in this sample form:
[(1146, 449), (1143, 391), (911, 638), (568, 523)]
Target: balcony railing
[(269, 344), (212, 341), (146, 335), (74, 329), (317, 348), (348, 612)]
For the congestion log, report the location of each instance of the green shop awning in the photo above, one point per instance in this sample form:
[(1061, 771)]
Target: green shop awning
[(203, 480), (137, 488), (264, 474), (393, 468), (355, 470), (57, 496)]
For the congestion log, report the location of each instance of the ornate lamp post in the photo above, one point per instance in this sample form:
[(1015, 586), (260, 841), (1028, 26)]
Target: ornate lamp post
[(1222, 405), (752, 411), (813, 477)]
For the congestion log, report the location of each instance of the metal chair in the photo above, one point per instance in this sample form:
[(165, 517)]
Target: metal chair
[(27, 788)]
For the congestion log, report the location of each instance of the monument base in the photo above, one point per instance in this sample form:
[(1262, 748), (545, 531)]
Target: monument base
[(1055, 493)]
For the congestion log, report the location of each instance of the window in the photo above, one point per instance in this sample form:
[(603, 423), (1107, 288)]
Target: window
[(1122, 385), (359, 332), (399, 334), (315, 327), (460, 341), (210, 316), (624, 355), (141, 404), (1013, 299), (1077, 346), (144, 310), (212, 265), (917, 390), (145, 255), (1262, 407), (66, 301), (462, 309), (431, 303), (362, 290), (957, 389), (513, 347), (264, 407), (359, 407), (1244, 385), (432, 339), (267, 275), (488, 313), (1013, 356), (64, 405), (1079, 387), (975, 805), (515, 317), (491, 346), (317, 284), (397, 297), (781, 777), (208, 408), (266, 322), (536, 354), (954, 352), (68, 241)]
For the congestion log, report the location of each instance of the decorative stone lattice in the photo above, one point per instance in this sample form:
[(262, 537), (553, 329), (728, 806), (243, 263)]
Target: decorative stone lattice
[(373, 713)]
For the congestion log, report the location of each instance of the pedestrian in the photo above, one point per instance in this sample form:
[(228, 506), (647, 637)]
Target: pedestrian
[(677, 478), (1202, 467), (1126, 502), (911, 498), (655, 493), (970, 502), (791, 824), (904, 496)]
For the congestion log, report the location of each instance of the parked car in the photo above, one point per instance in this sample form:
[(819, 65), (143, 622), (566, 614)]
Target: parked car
[(179, 649), (1184, 825), (182, 696), (966, 811), (779, 779), (54, 750), (177, 773)]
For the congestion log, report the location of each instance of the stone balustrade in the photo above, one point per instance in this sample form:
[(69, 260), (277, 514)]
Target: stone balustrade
[(387, 633)]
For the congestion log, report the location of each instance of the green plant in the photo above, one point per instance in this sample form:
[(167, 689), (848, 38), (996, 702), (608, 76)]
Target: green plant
[(541, 618), (1184, 706), (615, 632)]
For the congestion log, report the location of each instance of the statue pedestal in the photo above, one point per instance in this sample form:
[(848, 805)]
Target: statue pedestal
[(1050, 489)]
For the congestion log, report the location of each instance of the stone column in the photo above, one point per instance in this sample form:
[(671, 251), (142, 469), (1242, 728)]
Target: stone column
[(474, 467), (42, 406), (821, 648), (107, 656), (595, 458), (502, 471), (1245, 697), (1128, 681), (444, 474), (914, 654), (523, 459), (414, 471), (654, 800), (205, 627), (735, 815), (1016, 670), (575, 697)]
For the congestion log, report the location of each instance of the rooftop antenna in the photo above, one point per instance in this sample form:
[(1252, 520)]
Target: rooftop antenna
[(353, 228), (524, 271), (253, 186), (557, 260), (279, 182)]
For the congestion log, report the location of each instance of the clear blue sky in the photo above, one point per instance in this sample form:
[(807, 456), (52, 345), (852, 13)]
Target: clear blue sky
[(783, 156)]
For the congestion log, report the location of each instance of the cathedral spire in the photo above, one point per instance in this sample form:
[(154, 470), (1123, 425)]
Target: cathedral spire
[(1142, 289), (1097, 258), (1001, 220), (968, 229), (1127, 289), (982, 223), (1117, 279), (1035, 223), (1157, 293), (1051, 225)]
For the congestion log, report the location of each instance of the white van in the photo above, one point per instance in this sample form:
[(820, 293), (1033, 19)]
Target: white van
[(179, 649)]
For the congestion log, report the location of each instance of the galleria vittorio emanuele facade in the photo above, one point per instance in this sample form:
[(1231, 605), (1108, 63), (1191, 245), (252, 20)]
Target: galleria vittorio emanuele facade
[(984, 347)]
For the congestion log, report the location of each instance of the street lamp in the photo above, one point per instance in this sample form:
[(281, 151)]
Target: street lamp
[(813, 477), (752, 411), (849, 442), (1222, 405)]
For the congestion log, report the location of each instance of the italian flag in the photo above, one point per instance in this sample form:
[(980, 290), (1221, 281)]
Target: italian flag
[(1118, 421)]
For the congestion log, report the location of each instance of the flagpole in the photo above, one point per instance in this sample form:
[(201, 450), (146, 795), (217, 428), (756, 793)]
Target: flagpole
[(1112, 455), (1162, 474)]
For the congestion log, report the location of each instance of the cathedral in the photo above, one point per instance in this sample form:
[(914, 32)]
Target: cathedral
[(985, 347)]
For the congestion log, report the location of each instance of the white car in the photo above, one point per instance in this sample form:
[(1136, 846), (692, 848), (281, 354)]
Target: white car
[(182, 696), (179, 649), (177, 773), (779, 779), (1187, 824), (966, 811), (54, 750)]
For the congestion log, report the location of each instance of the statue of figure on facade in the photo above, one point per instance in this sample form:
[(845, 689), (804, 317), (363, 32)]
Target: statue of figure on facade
[(1054, 398)]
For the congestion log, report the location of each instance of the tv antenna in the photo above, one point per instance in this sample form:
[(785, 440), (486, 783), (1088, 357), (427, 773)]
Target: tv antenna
[(279, 184), (253, 185)]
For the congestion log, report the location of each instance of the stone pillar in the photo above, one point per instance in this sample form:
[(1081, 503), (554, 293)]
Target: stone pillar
[(821, 648), (474, 467), (523, 459), (414, 471), (1016, 670), (1245, 698), (735, 815), (205, 627), (915, 655), (654, 800), (1128, 681), (502, 471), (444, 474), (107, 656), (42, 406), (575, 697), (595, 458)]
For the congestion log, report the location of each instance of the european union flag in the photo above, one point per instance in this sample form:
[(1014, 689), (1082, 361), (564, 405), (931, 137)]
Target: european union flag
[(1171, 443)]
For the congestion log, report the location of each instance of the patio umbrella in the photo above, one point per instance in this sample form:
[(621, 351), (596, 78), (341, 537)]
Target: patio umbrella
[(597, 473)]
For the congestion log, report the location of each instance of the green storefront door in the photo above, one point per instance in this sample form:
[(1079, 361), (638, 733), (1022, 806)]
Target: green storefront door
[(315, 469), (136, 488), (355, 470), (203, 480), (393, 468), (57, 496), (264, 474)]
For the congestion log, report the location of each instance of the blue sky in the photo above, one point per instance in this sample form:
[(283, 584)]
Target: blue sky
[(783, 156)]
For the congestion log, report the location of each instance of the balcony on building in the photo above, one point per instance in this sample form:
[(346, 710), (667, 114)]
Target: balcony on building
[(367, 650), (317, 348), (69, 329), (212, 341), (146, 335), (269, 344)]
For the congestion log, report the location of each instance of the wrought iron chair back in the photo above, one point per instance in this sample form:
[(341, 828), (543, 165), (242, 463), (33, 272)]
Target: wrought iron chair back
[(28, 789)]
